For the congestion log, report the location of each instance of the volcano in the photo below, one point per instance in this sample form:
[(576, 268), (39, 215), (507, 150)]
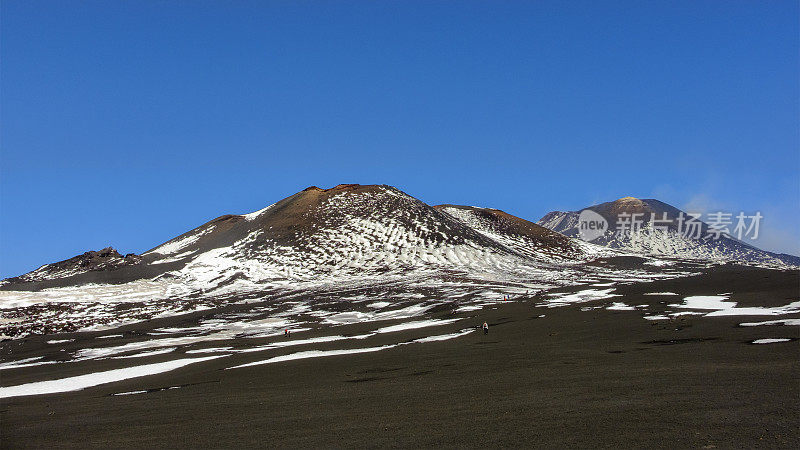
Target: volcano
[(347, 233), (666, 231)]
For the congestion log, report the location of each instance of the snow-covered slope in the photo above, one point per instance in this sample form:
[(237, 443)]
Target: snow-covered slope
[(92, 261), (330, 235), (670, 238), (524, 237)]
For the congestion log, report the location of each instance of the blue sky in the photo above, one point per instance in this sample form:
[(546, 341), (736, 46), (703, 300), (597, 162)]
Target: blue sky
[(127, 123)]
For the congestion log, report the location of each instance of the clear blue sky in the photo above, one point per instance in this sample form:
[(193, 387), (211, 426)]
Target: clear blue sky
[(126, 123)]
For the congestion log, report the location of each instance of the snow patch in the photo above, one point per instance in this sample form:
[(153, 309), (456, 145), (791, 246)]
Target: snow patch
[(726, 308), (94, 379), (618, 306), (252, 216), (444, 337), (770, 341), (789, 322), (378, 305), (586, 295), (314, 354), (145, 354)]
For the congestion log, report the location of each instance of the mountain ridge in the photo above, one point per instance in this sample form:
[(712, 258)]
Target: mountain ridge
[(348, 229), (351, 229)]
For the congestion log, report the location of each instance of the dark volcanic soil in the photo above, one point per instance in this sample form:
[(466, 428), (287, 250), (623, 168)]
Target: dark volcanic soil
[(572, 378)]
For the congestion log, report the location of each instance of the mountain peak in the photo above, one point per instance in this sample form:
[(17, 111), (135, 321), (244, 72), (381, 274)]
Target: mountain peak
[(339, 187), (676, 241), (628, 200)]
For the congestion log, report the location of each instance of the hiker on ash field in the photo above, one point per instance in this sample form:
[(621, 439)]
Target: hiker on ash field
[(485, 328)]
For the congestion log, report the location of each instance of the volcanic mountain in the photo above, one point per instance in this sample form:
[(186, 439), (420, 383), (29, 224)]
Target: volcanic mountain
[(313, 253), (664, 231), (346, 233)]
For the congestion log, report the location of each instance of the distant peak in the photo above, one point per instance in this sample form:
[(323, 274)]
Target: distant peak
[(629, 202)]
